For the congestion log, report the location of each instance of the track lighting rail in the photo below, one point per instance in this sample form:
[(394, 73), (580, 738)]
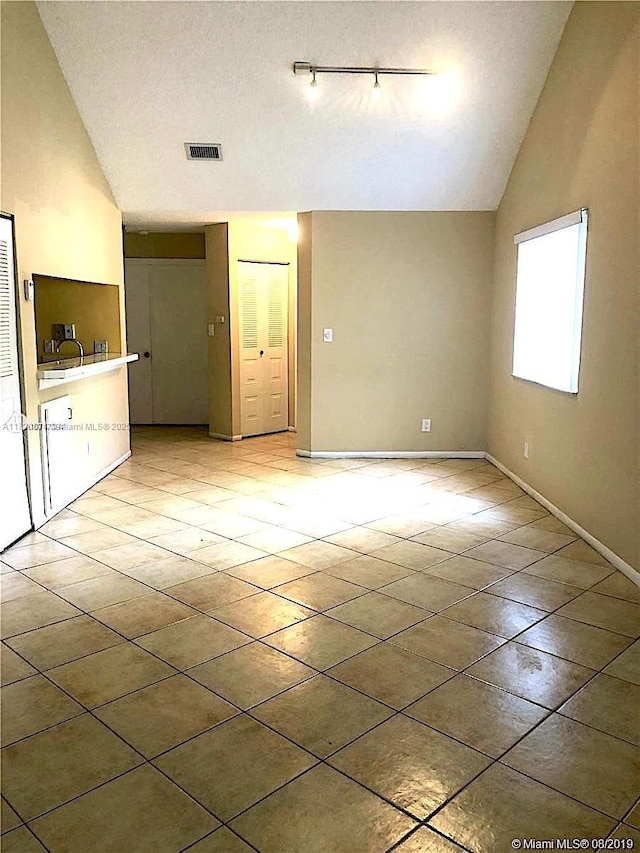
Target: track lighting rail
[(310, 68)]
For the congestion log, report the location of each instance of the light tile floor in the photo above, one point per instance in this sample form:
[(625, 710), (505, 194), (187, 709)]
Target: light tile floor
[(222, 647)]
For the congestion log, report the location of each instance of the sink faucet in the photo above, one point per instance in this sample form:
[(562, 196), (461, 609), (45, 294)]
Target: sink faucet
[(72, 341)]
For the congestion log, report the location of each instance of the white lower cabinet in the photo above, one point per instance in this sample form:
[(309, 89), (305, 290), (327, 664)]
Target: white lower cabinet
[(62, 471)]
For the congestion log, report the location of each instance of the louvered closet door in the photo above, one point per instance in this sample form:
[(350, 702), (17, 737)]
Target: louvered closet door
[(262, 302), (14, 502)]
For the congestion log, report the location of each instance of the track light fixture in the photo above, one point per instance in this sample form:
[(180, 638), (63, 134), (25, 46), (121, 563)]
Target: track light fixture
[(376, 71)]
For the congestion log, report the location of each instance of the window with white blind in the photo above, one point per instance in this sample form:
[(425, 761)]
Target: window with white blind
[(549, 294)]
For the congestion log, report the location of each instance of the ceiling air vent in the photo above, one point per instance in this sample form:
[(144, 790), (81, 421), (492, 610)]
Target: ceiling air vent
[(203, 150)]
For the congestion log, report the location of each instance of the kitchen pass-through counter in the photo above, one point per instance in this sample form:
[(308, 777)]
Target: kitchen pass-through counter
[(53, 373)]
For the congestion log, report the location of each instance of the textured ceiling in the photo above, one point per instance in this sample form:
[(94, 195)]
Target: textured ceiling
[(149, 76)]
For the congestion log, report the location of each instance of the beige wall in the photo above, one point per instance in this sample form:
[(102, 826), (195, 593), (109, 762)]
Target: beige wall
[(67, 223), (581, 150), (160, 244), (408, 298), (228, 243), (304, 323), (217, 273)]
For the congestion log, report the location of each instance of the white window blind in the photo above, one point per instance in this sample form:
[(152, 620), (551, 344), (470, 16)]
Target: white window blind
[(549, 296)]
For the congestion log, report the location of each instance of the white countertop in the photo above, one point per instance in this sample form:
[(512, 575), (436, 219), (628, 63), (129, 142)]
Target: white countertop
[(53, 373)]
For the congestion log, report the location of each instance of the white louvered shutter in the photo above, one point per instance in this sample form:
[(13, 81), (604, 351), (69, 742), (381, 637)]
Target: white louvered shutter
[(8, 345), (15, 518)]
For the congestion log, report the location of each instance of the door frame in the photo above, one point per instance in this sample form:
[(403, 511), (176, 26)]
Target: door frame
[(20, 361)]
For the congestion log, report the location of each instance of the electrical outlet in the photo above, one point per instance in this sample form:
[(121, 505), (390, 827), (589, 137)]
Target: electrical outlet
[(220, 318), (426, 425), (100, 347), (211, 330), (327, 336), (526, 450), (63, 331)]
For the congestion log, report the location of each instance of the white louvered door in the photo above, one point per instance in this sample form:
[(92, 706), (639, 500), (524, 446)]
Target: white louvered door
[(15, 518), (262, 304)]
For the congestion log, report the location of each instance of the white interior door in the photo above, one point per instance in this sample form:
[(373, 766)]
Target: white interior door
[(167, 325), (139, 340), (15, 518), (263, 293), (179, 354)]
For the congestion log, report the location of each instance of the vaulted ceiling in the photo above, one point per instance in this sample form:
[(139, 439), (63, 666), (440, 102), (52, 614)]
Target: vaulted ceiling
[(149, 76)]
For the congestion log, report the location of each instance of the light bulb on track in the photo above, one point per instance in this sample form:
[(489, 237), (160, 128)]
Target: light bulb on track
[(377, 88), (312, 92)]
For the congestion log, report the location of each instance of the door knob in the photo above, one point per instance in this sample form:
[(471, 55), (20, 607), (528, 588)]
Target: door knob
[(147, 355)]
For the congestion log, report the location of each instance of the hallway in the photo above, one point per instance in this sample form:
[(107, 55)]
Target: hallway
[(223, 647)]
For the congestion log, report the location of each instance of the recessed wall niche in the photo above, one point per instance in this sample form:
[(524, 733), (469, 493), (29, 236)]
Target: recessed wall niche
[(94, 309)]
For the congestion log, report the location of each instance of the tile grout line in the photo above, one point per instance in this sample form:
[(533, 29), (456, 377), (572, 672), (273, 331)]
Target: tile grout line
[(380, 641)]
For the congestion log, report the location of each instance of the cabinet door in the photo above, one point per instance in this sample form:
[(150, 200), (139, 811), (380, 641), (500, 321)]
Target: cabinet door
[(63, 480)]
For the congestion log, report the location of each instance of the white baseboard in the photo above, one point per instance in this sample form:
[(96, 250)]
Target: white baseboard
[(110, 468), (601, 548), (391, 454)]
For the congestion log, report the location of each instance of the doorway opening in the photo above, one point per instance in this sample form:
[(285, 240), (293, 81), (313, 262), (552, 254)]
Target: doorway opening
[(215, 326)]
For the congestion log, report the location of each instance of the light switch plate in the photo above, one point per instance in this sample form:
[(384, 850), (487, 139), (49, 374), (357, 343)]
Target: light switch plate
[(327, 336)]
